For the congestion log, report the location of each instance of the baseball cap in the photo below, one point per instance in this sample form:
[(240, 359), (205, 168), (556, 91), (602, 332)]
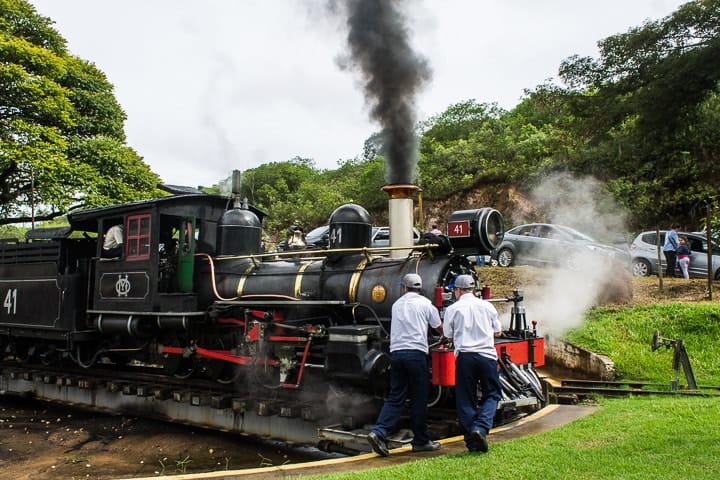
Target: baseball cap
[(464, 281), (412, 280)]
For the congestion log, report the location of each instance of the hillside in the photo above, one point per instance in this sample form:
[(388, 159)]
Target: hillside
[(515, 205)]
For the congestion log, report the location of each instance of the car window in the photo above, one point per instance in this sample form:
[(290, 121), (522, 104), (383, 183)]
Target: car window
[(527, 230), (546, 232), (573, 234), (317, 233), (382, 234), (650, 238), (697, 245)]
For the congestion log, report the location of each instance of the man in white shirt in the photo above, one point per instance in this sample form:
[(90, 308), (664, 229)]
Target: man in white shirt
[(473, 324), (409, 374), (112, 245)]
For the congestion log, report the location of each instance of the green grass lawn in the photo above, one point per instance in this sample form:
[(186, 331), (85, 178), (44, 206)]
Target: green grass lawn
[(625, 334), (664, 437)]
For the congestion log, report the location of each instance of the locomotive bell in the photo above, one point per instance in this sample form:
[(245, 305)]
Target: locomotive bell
[(238, 233), (350, 227)]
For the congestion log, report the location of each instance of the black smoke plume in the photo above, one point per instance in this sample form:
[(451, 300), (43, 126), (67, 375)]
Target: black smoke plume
[(392, 75)]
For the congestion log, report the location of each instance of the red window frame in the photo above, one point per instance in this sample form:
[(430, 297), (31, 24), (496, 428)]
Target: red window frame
[(138, 237)]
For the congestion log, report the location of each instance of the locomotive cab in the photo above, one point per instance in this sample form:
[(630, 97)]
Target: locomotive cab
[(150, 283)]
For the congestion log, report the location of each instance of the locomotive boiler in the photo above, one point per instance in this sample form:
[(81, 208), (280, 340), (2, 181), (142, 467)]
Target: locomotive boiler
[(295, 342)]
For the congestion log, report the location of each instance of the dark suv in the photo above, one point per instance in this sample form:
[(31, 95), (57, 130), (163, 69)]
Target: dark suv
[(644, 254)]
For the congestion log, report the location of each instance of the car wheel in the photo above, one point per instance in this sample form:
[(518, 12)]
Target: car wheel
[(505, 257), (641, 268)]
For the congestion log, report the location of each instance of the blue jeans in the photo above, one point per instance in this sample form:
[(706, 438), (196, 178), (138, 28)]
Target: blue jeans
[(471, 368), (409, 376)]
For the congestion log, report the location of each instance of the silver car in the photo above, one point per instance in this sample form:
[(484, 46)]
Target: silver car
[(548, 244), (643, 251)]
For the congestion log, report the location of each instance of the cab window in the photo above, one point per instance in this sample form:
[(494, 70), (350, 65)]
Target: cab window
[(138, 237)]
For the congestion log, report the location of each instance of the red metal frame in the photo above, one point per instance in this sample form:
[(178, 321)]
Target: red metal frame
[(137, 237), (226, 356)]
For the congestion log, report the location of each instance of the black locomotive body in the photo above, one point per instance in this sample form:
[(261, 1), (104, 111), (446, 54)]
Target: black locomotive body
[(193, 296)]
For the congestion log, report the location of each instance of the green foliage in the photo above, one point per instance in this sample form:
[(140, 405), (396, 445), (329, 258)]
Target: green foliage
[(461, 147), (12, 231), (62, 142), (296, 193), (648, 103)]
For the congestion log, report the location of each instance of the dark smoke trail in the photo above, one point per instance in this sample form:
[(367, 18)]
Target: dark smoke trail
[(392, 74)]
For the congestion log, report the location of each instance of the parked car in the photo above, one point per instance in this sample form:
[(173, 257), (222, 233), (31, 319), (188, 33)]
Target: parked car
[(544, 244), (380, 236), (319, 238), (643, 251)]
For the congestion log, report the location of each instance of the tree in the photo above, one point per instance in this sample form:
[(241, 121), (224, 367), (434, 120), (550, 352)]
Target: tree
[(62, 144), (643, 100)]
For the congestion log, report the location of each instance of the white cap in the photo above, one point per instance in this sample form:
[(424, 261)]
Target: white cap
[(464, 281), (412, 280)]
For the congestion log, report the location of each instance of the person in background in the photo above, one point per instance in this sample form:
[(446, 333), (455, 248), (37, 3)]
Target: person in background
[(435, 230), (670, 249), (113, 243), (473, 324), (683, 256), (409, 373)]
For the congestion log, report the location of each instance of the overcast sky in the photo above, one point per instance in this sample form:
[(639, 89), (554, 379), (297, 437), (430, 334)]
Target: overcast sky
[(215, 85)]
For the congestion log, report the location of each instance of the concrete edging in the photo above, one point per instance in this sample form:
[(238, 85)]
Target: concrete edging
[(566, 356)]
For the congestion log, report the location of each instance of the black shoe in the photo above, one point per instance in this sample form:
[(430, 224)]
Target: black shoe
[(430, 446), (482, 443), (378, 444)]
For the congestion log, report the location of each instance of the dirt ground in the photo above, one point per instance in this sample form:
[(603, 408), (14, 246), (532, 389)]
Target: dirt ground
[(39, 441), (625, 290)]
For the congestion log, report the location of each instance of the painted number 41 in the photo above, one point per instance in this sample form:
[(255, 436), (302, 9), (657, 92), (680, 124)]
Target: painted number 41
[(10, 302)]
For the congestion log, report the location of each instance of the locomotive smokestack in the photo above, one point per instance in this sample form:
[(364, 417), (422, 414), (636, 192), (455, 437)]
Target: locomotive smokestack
[(236, 184), (400, 213)]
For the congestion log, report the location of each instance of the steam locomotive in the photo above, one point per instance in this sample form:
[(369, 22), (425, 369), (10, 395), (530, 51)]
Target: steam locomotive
[(194, 296)]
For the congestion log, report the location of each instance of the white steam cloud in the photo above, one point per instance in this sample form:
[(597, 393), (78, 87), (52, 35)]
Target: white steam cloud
[(561, 301)]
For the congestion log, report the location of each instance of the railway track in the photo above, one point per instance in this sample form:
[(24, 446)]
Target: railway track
[(572, 391)]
